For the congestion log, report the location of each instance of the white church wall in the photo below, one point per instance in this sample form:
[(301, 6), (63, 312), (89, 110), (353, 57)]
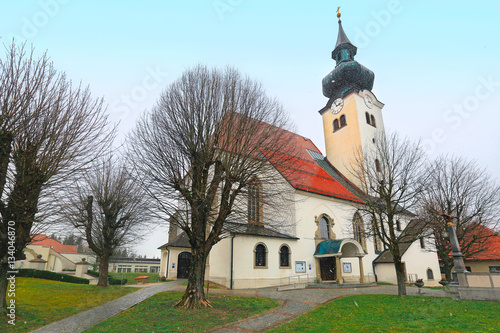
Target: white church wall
[(246, 275), (219, 261), (419, 260), (308, 207)]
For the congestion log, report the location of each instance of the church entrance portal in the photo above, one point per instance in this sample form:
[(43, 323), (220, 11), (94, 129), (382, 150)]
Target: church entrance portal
[(183, 264), (328, 269)]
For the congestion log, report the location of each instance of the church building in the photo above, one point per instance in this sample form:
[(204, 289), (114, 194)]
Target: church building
[(325, 238)]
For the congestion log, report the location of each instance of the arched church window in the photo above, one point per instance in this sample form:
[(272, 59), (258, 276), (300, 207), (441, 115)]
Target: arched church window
[(255, 202), (343, 121), (373, 121), (336, 125), (284, 256), (367, 115), (324, 228), (260, 255), (359, 230), (430, 274), (377, 165)]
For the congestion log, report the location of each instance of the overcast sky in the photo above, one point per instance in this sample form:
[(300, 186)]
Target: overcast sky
[(436, 64)]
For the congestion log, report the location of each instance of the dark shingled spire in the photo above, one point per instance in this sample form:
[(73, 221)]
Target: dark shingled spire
[(342, 38), (343, 43)]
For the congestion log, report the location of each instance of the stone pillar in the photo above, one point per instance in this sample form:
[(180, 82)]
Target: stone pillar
[(458, 260), (318, 269), (82, 268), (38, 263), (340, 280), (361, 270)]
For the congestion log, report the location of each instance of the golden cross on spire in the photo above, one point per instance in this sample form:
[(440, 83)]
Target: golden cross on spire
[(338, 12)]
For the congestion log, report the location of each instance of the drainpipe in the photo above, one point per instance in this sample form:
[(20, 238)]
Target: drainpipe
[(232, 255), (168, 263), (373, 267)]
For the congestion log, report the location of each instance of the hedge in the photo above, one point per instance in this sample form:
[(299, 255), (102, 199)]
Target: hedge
[(111, 280), (93, 273), (47, 275)]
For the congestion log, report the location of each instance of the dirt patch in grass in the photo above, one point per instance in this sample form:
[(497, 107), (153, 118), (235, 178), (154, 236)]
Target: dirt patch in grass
[(156, 314)]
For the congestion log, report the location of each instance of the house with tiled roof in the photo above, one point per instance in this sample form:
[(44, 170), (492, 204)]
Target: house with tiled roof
[(485, 254), (321, 235), (55, 255)]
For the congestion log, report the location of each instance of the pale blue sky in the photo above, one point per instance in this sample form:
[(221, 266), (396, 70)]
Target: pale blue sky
[(436, 64)]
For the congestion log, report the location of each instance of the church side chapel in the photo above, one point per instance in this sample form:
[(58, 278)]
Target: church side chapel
[(324, 237)]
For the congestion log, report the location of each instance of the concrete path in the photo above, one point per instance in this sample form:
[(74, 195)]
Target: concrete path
[(298, 302), (86, 319)]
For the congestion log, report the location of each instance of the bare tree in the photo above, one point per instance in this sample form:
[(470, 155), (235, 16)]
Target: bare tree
[(49, 131), (118, 216), (461, 188), (394, 177), (202, 151)]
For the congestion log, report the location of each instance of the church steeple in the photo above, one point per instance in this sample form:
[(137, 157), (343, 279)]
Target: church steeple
[(344, 50), (352, 117), (348, 74)]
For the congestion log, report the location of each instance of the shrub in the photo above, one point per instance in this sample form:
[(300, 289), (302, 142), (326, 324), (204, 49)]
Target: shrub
[(47, 275), (112, 281), (93, 273)]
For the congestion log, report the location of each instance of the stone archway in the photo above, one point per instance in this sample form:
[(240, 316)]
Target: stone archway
[(328, 254)]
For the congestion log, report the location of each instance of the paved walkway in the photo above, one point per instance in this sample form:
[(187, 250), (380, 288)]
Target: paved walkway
[(294, 304), (298, 302), (86, 319)]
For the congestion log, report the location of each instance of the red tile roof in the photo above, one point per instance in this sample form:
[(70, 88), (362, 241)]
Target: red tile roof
[(302, 171), (45, 240), (288, 152), (491, 244)]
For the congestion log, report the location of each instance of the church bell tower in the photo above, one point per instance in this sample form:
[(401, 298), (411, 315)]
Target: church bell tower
[(352, 117)]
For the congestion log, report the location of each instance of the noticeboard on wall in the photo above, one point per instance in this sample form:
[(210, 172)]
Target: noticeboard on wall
[(300, 267)]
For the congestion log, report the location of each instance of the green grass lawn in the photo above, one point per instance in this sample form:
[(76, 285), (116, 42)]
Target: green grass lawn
[(153, 277), (156, 314), (40, 302), (386, 313)]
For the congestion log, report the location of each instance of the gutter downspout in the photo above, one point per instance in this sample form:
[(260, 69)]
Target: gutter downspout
[(232, 256), (373, 267), (168, 262)]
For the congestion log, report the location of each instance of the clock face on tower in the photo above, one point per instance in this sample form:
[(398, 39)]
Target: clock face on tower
[(337, 105), (368, 101)]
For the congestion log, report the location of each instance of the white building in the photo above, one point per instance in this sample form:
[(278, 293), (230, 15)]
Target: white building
[(323, 238)]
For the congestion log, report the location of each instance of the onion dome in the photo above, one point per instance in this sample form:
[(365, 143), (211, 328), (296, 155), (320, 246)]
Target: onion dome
[(348, 75)]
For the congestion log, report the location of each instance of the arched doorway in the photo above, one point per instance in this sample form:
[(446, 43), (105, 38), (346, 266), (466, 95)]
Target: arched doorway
[(328, 254), (183, 264)]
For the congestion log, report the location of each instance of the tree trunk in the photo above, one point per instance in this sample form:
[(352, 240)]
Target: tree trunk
[(103, 268), (400, 275), (194, 296), (3, 285)]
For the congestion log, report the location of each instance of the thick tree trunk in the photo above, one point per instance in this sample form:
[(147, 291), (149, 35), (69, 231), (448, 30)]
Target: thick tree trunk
[(3, 285), (194, 296), (400, 275), (103, 268)]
